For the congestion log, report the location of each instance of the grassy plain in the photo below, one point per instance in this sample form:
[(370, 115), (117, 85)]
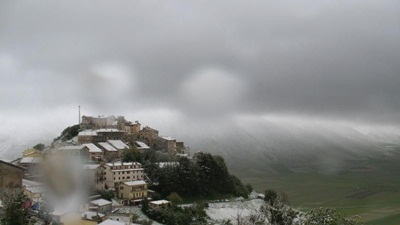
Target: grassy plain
[(367, 186), (373, 195)]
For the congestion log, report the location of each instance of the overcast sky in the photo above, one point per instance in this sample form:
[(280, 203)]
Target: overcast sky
[(334, 60)]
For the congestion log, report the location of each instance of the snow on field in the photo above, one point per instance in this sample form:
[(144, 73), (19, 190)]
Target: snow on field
[(220, 211)]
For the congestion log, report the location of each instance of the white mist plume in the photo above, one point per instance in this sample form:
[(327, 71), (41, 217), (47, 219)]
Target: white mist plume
[(63, 176)]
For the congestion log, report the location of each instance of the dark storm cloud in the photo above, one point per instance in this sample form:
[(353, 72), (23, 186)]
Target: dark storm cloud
[(336, 59)]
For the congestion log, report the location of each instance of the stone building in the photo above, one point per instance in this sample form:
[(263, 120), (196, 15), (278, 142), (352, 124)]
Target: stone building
[(10, 175), (167, 144), (182, 149), (149, 135), (100, 135), (95, 153), (110, 153), (89, 122), (110, 134), (88, 136), (132, 128), (110, 122)]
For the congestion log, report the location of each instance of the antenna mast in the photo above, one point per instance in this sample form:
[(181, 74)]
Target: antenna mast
[(79, 110)]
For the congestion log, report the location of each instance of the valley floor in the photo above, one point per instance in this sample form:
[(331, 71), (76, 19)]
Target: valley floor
[(373, 196)]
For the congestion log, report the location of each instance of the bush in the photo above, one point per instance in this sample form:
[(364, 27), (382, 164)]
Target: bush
[(270, 196), (175, 198)]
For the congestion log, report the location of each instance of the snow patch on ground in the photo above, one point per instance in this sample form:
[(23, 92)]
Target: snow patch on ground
[(220, 211)]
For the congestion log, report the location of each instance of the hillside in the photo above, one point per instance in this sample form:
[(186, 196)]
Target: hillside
[(289, 147)]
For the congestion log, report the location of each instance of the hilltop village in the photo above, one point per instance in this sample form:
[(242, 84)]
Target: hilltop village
[(122, 164)]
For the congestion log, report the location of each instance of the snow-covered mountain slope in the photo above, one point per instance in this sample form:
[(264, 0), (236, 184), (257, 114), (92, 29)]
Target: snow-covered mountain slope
[(287, 146)]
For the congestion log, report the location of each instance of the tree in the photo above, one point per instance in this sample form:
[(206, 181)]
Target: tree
[(206, 175), (329, 216), (131, 155), (16, 208), (106, 194), (270, 196), (145, 205), (277, 210), (68, 133), (39, 147), (175, 198), (135, 217)]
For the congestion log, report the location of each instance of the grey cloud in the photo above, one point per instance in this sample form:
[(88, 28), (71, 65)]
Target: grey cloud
[(319, 59)]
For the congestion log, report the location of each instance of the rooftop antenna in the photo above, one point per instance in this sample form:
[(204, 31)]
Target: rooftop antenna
[(79, 110)]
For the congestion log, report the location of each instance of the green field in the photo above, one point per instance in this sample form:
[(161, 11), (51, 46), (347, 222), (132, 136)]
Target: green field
[(375, 197)]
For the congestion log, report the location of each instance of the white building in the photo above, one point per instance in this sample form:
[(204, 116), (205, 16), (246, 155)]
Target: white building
[(100, 206), (123, 171)]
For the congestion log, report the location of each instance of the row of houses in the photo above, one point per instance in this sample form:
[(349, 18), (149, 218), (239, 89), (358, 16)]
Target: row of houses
[(107, 151), (102, 129), (126, 179)]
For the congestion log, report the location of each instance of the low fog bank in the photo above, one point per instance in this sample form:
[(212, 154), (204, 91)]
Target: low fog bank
[(24, 130)]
